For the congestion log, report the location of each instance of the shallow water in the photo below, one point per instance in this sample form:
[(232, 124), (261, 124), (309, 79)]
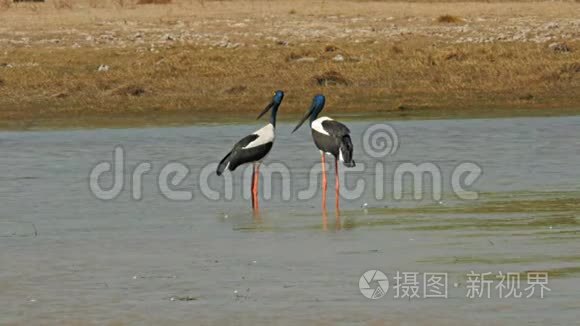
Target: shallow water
[(69, 257)]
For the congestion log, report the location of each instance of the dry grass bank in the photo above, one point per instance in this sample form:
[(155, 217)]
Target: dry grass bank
[(121, 64)]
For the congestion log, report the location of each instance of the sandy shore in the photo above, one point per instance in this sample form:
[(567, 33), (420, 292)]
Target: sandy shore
[(100, 64)]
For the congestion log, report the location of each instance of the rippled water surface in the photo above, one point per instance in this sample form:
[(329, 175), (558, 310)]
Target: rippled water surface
[(67, 256)]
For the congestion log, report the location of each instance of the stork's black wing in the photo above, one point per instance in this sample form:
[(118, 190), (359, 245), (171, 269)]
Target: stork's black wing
[(240, 154), (342, 147), (244, 142), (232, 155), (335, 128)]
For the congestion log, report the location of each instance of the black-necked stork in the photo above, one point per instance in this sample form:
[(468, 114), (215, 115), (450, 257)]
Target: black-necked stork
[(332, 138), (254, 148)]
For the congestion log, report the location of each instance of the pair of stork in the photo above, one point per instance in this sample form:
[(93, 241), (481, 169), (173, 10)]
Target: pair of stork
[(330, 137)]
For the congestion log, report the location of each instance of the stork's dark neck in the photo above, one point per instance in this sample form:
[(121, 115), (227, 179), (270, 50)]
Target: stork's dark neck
[(315, 114), (317, 106), (274, 113)]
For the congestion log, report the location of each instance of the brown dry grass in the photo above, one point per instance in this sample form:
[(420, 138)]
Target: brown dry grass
[(154, 2), (63, 4), (449, 19), (5, 4), (45, 83)]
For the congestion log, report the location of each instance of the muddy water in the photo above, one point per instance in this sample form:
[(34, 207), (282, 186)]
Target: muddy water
[(67, 256)]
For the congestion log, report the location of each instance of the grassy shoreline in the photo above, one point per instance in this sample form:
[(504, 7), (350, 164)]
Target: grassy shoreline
[(192, 62), (183, 119)]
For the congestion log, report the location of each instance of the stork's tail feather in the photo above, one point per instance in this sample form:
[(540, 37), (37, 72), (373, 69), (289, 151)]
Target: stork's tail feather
[(346, 150), (224, 163)]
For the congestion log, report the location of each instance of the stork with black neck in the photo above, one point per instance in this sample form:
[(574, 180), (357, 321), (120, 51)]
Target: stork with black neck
[(331, 138), (254, 148)]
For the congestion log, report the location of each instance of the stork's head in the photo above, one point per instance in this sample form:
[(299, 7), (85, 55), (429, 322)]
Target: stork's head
[(274, 105), (278, 97), (315, 109)]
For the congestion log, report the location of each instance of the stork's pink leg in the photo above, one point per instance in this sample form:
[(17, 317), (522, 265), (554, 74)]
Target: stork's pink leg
[(324, 219), (337, 183), (324, 183), (253, 185), (255, 182)]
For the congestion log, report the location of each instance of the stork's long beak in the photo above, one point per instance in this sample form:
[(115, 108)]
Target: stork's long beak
[(308, 114), (268, 107)]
